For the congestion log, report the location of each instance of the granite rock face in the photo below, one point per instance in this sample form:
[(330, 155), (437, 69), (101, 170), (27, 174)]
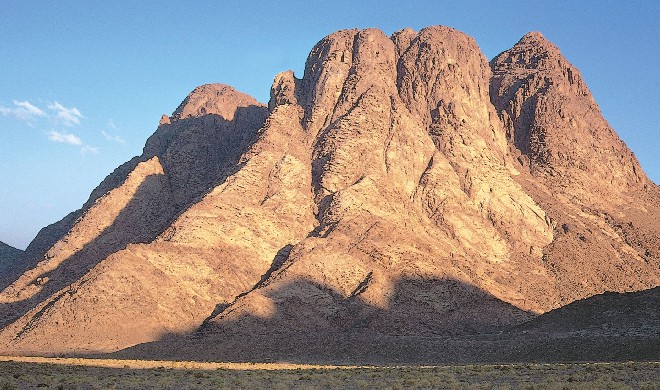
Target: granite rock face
[(552, 119), (404, 186)]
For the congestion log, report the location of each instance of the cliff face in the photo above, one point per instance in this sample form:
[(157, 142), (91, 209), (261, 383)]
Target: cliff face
[(403, 186), (552, 119)]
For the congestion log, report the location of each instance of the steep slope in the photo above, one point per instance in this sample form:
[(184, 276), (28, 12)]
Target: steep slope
[(189, 154), (398, 193), (8, 254), (600, 201), (463, 249), (552, 119)]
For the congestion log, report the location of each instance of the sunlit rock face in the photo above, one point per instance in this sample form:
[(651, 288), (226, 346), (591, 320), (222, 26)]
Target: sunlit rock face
[(404, 186)]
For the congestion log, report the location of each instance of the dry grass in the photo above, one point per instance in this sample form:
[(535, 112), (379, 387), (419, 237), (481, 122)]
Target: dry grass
[(73, 373)]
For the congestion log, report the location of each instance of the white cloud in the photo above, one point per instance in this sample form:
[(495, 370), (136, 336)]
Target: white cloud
[(111, 137), (71, 139), (6, 111), (24, 111), (68, 116), (33, 110), (86, 149), (112, 125)]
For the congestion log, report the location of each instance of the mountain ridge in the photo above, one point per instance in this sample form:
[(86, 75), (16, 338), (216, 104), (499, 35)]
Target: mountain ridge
[(405, 185)]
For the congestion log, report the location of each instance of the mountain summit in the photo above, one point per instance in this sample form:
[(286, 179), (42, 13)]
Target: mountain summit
[(403, 189)]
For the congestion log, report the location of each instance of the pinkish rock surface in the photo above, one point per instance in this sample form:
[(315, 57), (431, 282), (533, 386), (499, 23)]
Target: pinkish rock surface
[(404, 186)]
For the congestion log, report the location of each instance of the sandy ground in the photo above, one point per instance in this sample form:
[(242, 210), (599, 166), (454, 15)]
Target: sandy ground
[(159, 364)]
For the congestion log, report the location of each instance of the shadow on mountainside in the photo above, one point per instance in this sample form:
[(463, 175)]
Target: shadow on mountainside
[(250, 118), (605, 327), (46, 238), (307, 322), (428, 321), (141, 210), (610, 313), (10, 260), (153, 207)]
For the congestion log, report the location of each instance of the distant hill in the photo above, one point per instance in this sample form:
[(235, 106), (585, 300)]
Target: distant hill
[(8, 254), (605, 327), (8, 258), (608, 314)]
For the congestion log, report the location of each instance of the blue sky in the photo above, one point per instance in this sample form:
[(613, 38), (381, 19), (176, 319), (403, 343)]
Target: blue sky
[(84, 83)]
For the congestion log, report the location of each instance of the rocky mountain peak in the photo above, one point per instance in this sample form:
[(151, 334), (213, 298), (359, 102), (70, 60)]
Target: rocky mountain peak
[(404, 186), (402, 39), (551, 117), (533, 54), (284, 90), (213, 99), (537, 40)]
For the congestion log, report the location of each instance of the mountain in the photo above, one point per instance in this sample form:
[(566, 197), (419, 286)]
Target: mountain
[(403, 190), (633, 313), (9, 257), (582, 174), (605, 327), (8, 254)]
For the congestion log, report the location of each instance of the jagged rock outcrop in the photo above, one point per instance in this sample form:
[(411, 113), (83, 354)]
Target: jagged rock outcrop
[(403, 187)]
